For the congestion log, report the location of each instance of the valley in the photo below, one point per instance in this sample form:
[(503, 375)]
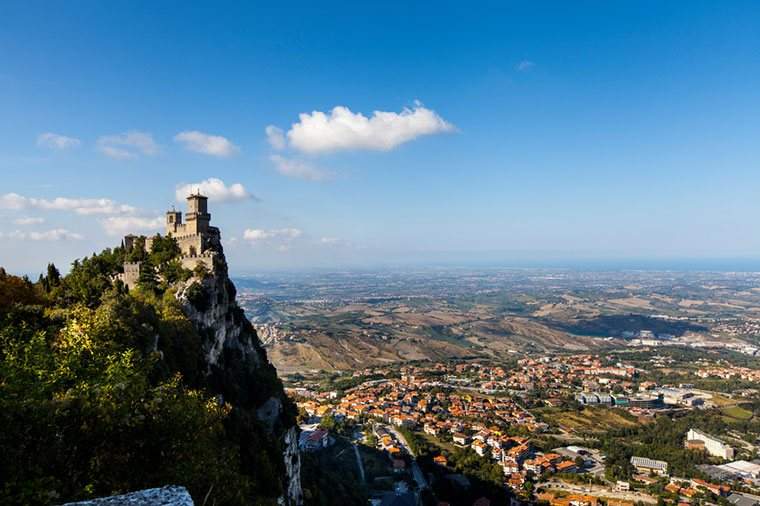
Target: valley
[(346, 320)]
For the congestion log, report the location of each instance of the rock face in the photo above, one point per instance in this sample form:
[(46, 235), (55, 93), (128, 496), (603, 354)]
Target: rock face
[(164, 496), (237, 366), (293, 466)]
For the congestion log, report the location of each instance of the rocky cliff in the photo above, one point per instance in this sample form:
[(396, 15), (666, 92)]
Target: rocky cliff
[(237, 366)]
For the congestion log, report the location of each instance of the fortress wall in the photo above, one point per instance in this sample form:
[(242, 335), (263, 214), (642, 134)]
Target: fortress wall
[(191, 262), (131, 274), (190, 244)]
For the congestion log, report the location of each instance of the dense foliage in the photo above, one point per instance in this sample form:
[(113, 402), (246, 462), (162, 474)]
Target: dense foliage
[(330, 476), (485, 477), (661, 440), (103, 391)]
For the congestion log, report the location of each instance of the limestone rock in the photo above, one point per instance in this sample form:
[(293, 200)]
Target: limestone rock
[(164, 496), (237, 365)]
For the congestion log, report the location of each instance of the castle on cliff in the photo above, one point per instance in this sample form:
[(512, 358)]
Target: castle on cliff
[(198, 241)]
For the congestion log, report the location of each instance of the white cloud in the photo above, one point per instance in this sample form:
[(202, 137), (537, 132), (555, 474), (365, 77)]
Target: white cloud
[(56, 141), (127, 145), (15, 201), (525, 66), (335, 243), (275, 137), (215, 189), (29, 220), (56, 234), (120, 225), (115, 219), (298, 169), (213, 145), (257, 234), (341, 129)]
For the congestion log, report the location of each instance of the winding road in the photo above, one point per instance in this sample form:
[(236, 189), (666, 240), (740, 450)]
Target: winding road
[(417, 473), (359, 462)]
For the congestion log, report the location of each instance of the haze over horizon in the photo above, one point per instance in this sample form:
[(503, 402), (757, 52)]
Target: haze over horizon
[(338, 137)]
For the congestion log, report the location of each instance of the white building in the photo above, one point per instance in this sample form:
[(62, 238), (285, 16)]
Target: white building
[(713, 445), (645, 465), (742, 468)]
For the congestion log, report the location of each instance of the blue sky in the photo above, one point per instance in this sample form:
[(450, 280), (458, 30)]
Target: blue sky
[(533, 130)]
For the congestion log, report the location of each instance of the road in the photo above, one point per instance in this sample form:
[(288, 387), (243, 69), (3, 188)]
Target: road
[(417, 473), (359, 462)]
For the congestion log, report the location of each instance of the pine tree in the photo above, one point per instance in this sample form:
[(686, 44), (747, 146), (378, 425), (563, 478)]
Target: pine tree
[(53, 275), (148, 278)]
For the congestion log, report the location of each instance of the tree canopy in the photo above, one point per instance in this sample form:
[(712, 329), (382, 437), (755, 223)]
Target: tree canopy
[(104, 391)]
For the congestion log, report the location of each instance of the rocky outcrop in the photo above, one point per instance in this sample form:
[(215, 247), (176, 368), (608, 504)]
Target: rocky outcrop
[(237, 367), (164, 496), (293, 466)]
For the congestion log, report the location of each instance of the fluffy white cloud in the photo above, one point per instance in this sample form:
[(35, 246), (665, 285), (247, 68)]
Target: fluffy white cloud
[(15, 201), (29, 220), (275, 137), (525, 66), (342, 129), (257, 234), (215, 189), (56, 234), (120, 225), (56, 141), (213, 145), (127, 145), (298, 169)]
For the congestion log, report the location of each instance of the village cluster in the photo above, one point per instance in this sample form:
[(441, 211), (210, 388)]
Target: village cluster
[(480, 407)]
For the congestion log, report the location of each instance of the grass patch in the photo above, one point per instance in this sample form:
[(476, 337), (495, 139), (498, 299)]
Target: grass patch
[(720, 400), (588, 420), (376, 463), (734, 413), (444, 445)]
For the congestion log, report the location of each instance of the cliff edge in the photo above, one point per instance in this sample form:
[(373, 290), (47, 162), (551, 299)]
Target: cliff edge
[(237, 368)]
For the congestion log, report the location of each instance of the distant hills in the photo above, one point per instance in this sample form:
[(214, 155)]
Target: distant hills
[(350, 320)]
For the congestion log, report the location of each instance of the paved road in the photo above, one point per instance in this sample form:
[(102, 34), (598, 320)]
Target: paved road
[(359, 462), (417, 473), (419, 476)]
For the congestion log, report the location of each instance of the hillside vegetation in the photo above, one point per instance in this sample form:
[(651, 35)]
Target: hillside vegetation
[(104, 390)]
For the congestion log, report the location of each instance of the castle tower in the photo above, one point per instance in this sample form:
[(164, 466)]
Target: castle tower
[(173, 221), (197, 217)]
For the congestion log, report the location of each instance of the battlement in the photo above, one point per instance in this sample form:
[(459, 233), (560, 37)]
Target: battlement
[(198, 241), (131, 273)]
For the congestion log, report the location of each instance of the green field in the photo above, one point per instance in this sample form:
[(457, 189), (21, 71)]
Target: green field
[(444, 445), (588, 420), (734, 413)]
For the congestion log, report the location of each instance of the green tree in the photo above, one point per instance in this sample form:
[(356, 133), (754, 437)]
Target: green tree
[(103, 391), (148, 280)]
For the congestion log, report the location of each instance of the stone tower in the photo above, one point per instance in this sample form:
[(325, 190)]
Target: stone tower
[(194, 234), (173, 221), (197, 217)]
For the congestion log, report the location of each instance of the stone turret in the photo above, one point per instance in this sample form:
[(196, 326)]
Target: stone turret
[(196, 237), (199, 242), (173, 220), (197, 217)]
